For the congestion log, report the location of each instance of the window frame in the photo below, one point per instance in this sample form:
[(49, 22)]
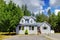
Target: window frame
[(21, 27), (31, 27), (27, 20)]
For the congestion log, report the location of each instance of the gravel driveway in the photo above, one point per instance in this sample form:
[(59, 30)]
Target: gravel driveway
[(28, 37), (56, 36)]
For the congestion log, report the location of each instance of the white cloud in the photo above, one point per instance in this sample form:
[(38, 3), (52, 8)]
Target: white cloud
[(56, 11), (7, 1), (33, 5), (55, 3)]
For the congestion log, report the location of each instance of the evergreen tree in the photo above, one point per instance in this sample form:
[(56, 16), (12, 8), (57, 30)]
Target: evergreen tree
[(58, 23), (41, 18), (10, 15), (53, 20), (49, 12), (26, 11)]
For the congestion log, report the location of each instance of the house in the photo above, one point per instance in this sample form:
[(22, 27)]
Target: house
[(28, 25)]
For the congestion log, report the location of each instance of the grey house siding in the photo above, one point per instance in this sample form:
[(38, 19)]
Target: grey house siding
[(47, 30)]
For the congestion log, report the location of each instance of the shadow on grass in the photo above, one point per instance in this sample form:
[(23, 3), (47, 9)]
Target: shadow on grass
[(8, 34)]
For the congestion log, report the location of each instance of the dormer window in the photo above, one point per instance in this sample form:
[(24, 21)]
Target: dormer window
[(27, 20), (22, 21), (31, 21)]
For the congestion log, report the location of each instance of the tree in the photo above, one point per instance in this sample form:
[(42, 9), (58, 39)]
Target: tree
[(53, 21), (10, 16), (49, 12), (2, 12), (58, 23), (26, 11), (41, 18), (32, 14)]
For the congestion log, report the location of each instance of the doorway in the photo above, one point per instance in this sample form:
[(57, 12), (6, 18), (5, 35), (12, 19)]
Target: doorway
[(38, 29)]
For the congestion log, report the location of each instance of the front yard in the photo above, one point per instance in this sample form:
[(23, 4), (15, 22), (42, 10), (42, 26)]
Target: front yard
[(4, 35)]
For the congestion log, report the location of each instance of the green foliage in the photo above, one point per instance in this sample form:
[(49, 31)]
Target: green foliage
[(49, 12), (53, 20), (22, 27), (58, 23), (26, 31), (10, 15), (41, 18), (26, 11)]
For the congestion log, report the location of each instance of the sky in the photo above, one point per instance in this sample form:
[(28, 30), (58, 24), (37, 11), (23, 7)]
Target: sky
[(39, 5)]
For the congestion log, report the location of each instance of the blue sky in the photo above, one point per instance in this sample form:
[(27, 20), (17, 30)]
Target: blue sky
[(39, 5), (46, 3)]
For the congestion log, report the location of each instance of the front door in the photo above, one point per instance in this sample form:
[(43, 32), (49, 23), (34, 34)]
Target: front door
[(38, 28)]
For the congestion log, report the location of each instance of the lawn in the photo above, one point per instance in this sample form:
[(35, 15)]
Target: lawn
[(4, 35)]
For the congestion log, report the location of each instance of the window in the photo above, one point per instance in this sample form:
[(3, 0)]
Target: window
[(27, 20), (31, 21), (22, 21), (21, 27), (31, 27), (44, 28)]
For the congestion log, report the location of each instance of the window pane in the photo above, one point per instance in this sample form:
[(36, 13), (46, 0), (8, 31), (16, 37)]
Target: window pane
[(27, 20), (32, 27), (22, 21), (19, 27), (31, 21)]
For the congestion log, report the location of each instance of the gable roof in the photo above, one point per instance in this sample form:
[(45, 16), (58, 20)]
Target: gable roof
[(46, 23), (34, 24), (39, 24), (28, 17)]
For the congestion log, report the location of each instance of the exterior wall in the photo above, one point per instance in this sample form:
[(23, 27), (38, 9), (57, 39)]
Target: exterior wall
[(45, 31), (33, 31), (29, 31), (21, 21), (31, 20), (17, 29)]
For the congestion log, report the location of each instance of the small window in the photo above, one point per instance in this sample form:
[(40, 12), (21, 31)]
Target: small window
[(32, 27), (44, 28), (31, 21), (27, 20), (22, 21), (19, 27)]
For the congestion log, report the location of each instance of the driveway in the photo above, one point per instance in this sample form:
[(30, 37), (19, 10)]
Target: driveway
[(28, 37), (55, 36)]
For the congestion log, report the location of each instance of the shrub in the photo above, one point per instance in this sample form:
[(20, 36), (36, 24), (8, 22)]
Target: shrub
[(26, 32)]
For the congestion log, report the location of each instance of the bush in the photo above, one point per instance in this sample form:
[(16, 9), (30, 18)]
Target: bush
[(26, 32)]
